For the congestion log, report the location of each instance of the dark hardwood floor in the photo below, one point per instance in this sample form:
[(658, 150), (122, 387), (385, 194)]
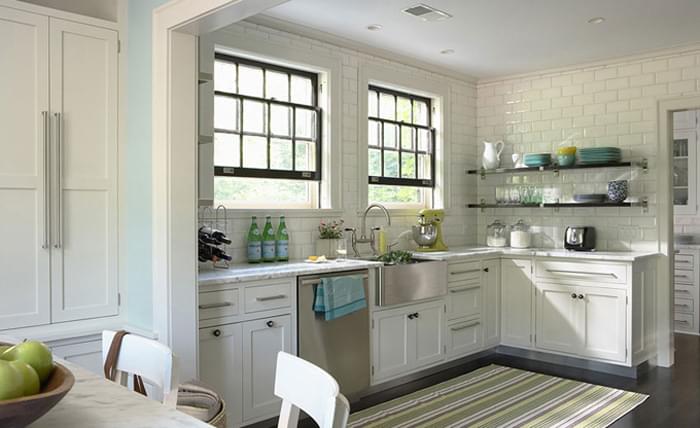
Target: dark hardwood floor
[(674, 394)]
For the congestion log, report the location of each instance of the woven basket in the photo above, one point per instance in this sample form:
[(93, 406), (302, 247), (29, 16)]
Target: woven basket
[(203, 403)]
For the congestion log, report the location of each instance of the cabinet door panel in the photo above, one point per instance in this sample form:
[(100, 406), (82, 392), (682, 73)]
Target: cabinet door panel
[(604, 324), (557, 318), (391, 343), (491, 286), (221, 366), (516, 303), (429, 333), (87, 355), (263, 339), (84, 102), (24, 264)]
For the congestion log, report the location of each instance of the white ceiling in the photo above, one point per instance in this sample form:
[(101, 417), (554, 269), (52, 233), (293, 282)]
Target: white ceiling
[(502, 37)]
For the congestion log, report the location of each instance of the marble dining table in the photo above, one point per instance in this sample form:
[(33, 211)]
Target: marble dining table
[(96, 402)]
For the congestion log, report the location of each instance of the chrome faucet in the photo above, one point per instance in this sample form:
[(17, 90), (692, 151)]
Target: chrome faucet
[(363, 239)]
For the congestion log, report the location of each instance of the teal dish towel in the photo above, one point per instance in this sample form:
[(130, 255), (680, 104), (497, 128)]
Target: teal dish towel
[(339, 296)]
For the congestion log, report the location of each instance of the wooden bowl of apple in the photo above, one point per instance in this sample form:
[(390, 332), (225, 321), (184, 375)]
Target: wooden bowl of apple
[(30, 383)]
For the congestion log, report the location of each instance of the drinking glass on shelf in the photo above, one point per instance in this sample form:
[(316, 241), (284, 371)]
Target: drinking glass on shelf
[(499, 194), (342, 250)]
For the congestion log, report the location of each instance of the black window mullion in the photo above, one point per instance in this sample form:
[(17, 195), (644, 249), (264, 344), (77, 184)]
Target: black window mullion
[(241, 137), (267, 119), (294, 137), (381, 151)]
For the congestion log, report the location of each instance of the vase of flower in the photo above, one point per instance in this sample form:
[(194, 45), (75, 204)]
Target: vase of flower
[(329, 233)]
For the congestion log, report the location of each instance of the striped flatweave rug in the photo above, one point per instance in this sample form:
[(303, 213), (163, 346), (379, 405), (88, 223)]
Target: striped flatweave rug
[(497, 396)]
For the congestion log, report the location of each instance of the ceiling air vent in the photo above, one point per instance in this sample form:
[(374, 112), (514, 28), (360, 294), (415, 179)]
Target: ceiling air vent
[(427, 13)]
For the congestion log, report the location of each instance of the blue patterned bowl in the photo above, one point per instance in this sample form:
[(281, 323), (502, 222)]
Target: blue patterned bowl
[(617, 190)]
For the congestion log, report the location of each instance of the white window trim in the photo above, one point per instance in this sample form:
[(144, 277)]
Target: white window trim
[(330, 100), (439, 92)]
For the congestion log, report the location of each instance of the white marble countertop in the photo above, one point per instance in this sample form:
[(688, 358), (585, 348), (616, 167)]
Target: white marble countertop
[(248, 272), (455, 253), (96, 402)]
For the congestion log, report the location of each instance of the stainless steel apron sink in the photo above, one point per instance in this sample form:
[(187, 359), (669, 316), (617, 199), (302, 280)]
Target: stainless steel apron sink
[(404, 283)]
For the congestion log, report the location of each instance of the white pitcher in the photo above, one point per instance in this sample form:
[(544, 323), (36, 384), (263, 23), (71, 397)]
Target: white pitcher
[(492, 154)]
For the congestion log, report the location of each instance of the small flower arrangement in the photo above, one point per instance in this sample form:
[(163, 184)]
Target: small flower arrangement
[(331, 230)]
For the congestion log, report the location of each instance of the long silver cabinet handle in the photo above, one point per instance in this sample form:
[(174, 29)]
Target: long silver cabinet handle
[(574, 272), (266, 298), (215, 305), (683, 322), (459, 290), (460, 272), (465, 326), (682, 261), (59, 180), (47, 181)]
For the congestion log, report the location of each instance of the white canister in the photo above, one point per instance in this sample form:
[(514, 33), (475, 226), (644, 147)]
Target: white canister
[(520, 235)]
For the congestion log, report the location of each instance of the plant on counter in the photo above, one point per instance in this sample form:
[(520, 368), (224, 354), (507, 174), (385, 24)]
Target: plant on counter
[(332, 230), (398, 257)]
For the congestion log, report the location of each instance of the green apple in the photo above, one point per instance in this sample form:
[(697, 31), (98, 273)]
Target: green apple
[(30, 379), (4, 348), (11, 381), (34, 353)]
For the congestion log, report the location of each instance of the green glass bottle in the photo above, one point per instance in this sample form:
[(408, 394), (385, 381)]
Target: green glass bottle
[(254, 243), (268, 241), (282, 239)]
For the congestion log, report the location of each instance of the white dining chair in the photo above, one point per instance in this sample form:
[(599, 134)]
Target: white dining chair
[(151, 360), (304, 386)]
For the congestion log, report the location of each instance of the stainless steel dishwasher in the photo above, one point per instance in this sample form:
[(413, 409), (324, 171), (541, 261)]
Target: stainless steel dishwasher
[(340, 346)]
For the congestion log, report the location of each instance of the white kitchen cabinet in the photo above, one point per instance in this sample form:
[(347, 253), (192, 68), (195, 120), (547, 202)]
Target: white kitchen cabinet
[(221, 365), (582, 320), (407, 338), (464, 299), (85, 354), (603, 323), (83, 98), (687, 119), (687, 291), (262, 340), (58, 172), (24, 252), (429, 323), (557, 315), (464, 338), (685, 179), (492, 294), (516, 302)]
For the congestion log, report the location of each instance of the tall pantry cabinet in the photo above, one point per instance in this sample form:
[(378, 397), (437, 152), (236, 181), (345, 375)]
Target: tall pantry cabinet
[(58, 170)]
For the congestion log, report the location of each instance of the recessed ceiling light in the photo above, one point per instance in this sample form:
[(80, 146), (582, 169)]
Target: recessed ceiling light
[(374, 27), (447, 51), (596, 20)]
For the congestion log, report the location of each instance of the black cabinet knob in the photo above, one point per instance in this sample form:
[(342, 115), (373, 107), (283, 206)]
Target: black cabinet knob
[(573, 295), (580, 296), (410, 316), (416, 315), (216, 332), (270, 323), (486, 269)]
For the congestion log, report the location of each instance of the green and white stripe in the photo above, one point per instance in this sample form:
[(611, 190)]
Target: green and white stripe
[(497, 396)]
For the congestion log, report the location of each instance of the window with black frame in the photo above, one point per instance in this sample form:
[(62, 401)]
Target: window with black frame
[(267, 134), (401, 148)]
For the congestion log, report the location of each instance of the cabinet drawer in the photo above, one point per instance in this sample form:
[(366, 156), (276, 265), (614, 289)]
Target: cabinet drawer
[(684, 261), (684, 306), (463, 300), (463, 271), (463, 338), (683, 277), (266, 297), (683, 291), (217, 304), (684, 322), (598, 272)]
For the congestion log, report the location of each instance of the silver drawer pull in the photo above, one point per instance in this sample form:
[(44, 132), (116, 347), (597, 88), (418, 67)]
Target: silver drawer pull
[(215, 305), (574, 272), (681, 305), (460, 272), (465, 326), (683, 261), (275, 297), (683, 322), (520, 267), (680, 276), (683, 292), (459, 290)]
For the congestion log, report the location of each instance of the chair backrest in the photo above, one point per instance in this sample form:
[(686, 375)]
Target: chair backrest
[(302, 385), (151, 360)]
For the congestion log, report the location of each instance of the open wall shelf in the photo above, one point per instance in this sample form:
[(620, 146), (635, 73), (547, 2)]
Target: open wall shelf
[(641, 203), (556, 168)]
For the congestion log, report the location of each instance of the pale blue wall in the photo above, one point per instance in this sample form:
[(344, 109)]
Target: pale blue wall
[(137, 221)]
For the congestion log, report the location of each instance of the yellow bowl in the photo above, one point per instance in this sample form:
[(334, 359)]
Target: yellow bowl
[(569, 150)]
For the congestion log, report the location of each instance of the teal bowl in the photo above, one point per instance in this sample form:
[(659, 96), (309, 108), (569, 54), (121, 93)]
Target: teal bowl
[(566, 160)]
